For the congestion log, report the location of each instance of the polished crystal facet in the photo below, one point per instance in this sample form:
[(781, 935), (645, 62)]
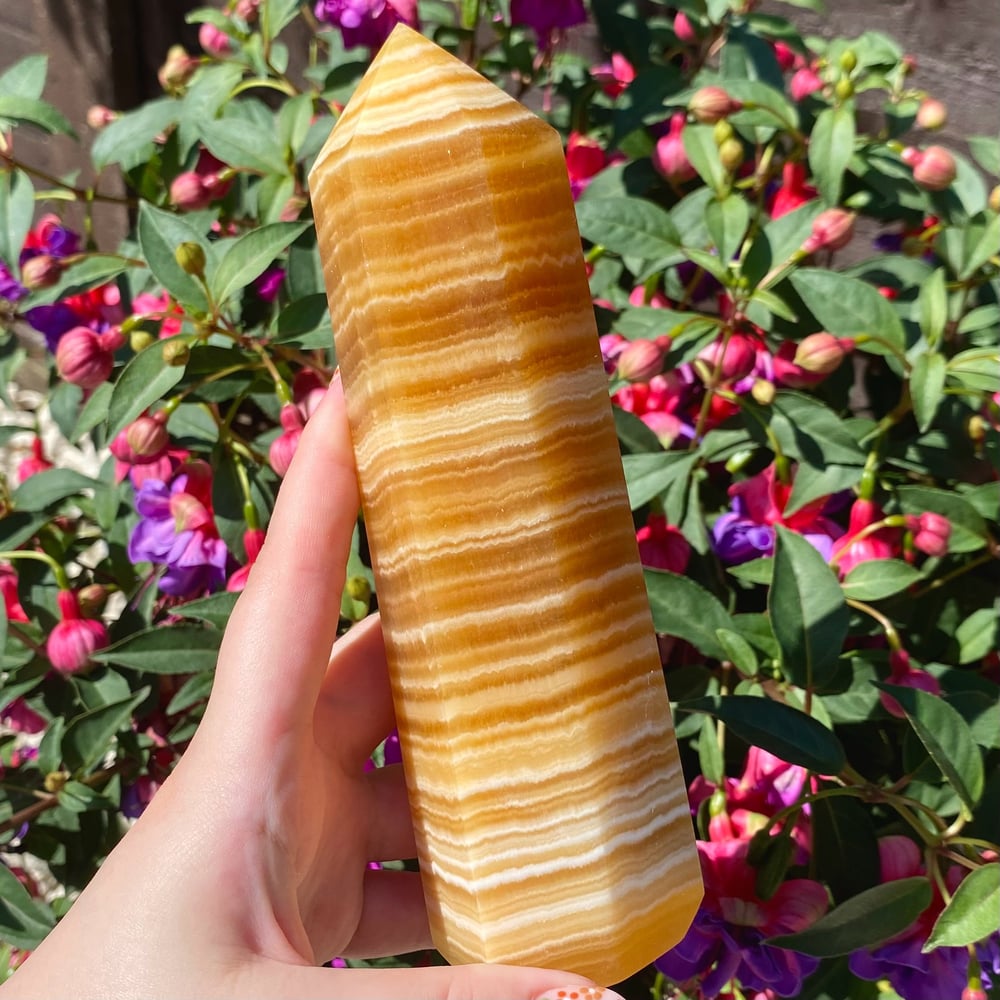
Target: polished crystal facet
[(552, 822)]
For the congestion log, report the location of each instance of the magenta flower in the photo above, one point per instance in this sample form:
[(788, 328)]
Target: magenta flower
[(545, 17), (366, 22), (268, 284), (178, 530), (662, 546), (726, 940), (10, 288)]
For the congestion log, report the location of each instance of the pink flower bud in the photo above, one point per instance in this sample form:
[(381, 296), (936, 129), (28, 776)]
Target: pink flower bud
[(904, 674), (709, 105), (669, 158), (584, 157), (639, 361), (189, 193), (974, 991), (786, 56), (214, 40), (292, 209), (35, 463), (147, 436), (831, 230), (247, 10), (932, 113), (39, 272), (74, 639), (662, 546), (822, 353), (738, 360), (283, 447), (683, 29), (899, 857), (99, 116), (935, 169), (81, 360), (253, 542), (11, 598), (804, 82), (178, 68), (666, 426), (930, 533)]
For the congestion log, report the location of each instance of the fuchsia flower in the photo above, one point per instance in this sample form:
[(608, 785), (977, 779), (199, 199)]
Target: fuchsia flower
[(931, 533), (793, 192), (196, 189), (72, 641), (903, 673), (805, 81), (36, 462), (758, 503), (159, 307), (11, 598), (214, 40), (614, 76), (585, 158), (284, 446), (366, 22), (726, 939), (662, 546), (253, 542), (142, 451), (85, 357), (177, 529), (669, 157), (862, 543), (268, 285), (546, 17)]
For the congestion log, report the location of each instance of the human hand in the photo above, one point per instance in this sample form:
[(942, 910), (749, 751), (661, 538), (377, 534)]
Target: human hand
[(250, 866)]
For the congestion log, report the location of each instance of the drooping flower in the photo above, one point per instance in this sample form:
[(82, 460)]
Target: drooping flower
[(11, 598), (366, 22), (805, 81), (758, 504), (585, 158), (142, 451), (726, 940), (72, 641), (49, 237), (284, 446), (863, 540), (930, 531), (177, 529), (670, 159), (253, 542), (546, 17), (905, 674), (161, 308), (214, 40), (793, 192), (268, 284), (662, 546), (36, 462), (86, 358), (614, 76), (10, 288), (911, 973)]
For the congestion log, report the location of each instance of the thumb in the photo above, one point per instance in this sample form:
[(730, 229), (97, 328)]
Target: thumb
[(460, 982)]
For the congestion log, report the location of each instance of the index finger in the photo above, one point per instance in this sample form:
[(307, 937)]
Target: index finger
[(279, 637)]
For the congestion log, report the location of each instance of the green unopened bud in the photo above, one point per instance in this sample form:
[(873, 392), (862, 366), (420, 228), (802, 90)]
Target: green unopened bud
[(848, 60), (55, 781), (844, 89), (731, 154), (762, 391), (359, 589), (994, 199), (140, 339), (190, 258), (722, 131), (176, 352)]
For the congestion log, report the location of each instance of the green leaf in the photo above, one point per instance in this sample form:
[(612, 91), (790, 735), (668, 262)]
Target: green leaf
[(976, 368), (807, 610), (248, 256), (927, 379), (685, 609), (738, 651), (629, 226), (932, 302), (34, 112), (303, 316), (44, 489), (727, 222), (194, 689), (814, 481), (703, 152), (986, 150), (215, 609), (78, 797), (845, 846), (93, 412), (17, 208), (973, 913), (88, 736), (180, 649), (756, 571), (709, 752), (947, 738), (26, 78), (128, 140), (780, 729), (24, 923), (864, 921), (980, 318), (981, 242), (831, 147), (144, 380), (847, 307), (160, 233), (878, 579), (649, 475), (238, 145), (978, 635)]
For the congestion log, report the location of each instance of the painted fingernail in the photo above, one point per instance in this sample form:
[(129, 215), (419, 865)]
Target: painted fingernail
[(580, 993)]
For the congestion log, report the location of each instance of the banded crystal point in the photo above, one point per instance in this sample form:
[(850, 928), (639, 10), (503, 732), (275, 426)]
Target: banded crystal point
[(552, 821)]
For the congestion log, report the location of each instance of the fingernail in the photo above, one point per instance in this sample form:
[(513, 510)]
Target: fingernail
[(580, 993)]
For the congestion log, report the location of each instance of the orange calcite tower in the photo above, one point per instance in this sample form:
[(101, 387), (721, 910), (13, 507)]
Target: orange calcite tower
[(551, 815)]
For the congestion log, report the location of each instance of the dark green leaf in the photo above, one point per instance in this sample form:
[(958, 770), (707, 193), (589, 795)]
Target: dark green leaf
[(976, 368), (35, 112), (727, 222), (128, 140), (933, 306), (145, 379), (814, 481), (845, 847), (878, 579), (784, 731), (756, 571), (629, 226), (927, 387), (947, 738), (160, 233), (24, 923), (807, 610), (848, 307), (17, 207), (51, 486), (88, 736), (709, 752), (215, 609), (864, 921), (649, 475), (738, 651), (977, 635), (78, 797), (233, 142), (179, 649), (193, 690), (973, 913), (831, 147), (685, 609), (303, 316), (248, 256), (93, 412), (703, 152)]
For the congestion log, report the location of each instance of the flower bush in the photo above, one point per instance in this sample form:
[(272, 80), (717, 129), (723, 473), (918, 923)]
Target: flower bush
[(799, 310)]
